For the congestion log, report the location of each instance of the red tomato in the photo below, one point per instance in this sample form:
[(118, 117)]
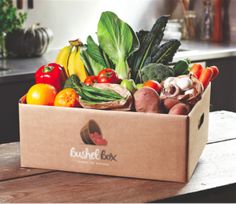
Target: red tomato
[(215, 71), (108, 76), (90, 80), (196, 70), (153, 84)]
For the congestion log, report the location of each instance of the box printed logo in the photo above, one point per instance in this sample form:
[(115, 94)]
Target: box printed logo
[(91, 134)]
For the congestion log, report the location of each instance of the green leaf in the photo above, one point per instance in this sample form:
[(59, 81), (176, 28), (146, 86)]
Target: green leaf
[(118, 41), (149, 43), (166, 52), (84, 58), (95, 52), (91, 65), (10, 18)]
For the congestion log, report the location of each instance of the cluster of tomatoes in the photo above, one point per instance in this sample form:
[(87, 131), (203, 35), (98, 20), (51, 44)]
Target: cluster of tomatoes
[(109, 76), (104, 76)]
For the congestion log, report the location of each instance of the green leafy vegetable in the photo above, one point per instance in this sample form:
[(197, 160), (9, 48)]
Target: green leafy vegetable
[(118, 41), (95, 52), (94, 58), (149, 43), (164, 54), (157, 72)]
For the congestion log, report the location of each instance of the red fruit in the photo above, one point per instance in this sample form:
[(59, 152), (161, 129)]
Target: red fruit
[(108, 76), (91, 80), (154, 85)]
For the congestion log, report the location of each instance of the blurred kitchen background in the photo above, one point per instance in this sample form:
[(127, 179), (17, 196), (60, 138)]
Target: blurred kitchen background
[(70, 19), (207, 29)]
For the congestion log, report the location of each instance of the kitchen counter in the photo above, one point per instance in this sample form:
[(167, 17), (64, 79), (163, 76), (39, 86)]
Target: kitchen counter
[(23, 69), (202, 51)]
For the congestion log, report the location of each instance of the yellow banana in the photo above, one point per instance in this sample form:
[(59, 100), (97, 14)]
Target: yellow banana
[(79, 67), (72, 60), (63, 57), (76, 65)]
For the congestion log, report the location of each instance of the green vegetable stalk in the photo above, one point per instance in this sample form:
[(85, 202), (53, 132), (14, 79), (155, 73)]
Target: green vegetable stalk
[(118, 41)]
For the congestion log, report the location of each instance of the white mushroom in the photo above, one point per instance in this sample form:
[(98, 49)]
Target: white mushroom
[(191, 92), (169, 81), (184, 83)]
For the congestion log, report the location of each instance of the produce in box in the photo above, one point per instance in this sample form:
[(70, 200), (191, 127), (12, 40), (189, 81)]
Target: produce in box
[(125, 71)]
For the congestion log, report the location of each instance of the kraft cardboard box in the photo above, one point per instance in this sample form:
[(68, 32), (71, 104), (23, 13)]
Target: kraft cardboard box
[(129, 144)]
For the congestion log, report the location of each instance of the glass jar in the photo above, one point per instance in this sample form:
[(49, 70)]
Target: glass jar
[(189, 25)]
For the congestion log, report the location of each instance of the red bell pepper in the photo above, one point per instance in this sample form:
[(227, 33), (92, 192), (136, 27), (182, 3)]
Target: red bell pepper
[(52, 74)]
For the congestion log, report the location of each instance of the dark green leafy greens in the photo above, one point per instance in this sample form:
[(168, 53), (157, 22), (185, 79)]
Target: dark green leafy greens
[(157, 72), (94, 57), (150, 50), (121, 49), (118, 41), (148, 41), (164, 54)]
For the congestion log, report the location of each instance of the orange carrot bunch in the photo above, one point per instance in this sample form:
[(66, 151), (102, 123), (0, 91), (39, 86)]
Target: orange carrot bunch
[(205, 75)]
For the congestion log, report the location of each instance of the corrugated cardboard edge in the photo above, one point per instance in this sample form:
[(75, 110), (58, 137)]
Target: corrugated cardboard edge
[(197, 138)]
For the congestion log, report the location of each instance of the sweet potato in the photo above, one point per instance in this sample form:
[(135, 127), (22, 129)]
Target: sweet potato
[(180, 109), (169, 103), (147, 100)]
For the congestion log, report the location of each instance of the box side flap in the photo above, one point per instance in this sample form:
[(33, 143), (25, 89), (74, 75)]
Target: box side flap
[(198, 130)]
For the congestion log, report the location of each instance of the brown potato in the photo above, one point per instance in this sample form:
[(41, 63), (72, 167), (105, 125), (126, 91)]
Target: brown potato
[(147, 100), (180, 109), (170, 102)]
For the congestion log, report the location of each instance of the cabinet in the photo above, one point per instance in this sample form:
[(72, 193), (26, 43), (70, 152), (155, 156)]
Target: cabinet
[(10, 94), (223, 94)]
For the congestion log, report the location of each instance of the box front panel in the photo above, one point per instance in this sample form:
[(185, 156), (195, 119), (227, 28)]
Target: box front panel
[(127, 144)]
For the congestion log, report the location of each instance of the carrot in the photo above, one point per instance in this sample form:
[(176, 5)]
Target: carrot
[(215, 71), (196, 70), (206, 77)]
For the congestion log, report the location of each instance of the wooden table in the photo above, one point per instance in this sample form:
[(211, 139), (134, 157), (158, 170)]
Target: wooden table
[(214, 179)]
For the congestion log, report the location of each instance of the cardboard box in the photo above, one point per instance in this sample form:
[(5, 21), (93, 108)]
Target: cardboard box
[(140, 145)]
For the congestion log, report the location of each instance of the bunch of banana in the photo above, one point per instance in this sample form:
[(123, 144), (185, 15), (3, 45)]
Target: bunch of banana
[(69, 58)]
